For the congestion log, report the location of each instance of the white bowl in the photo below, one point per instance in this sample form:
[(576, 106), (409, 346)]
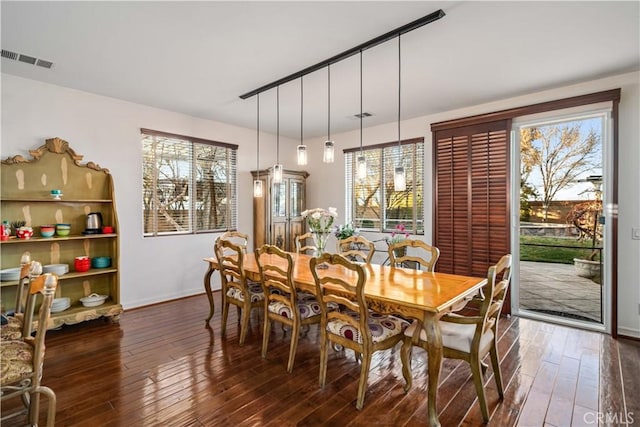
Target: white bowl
[(10, 274), (58, 269), (93, 300)]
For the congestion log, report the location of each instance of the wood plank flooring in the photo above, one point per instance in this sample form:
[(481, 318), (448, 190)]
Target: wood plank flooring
[(162, 367)]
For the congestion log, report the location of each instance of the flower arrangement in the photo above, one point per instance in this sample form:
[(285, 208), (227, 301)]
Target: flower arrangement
[(344, 231), (320, 220), (399, 234)]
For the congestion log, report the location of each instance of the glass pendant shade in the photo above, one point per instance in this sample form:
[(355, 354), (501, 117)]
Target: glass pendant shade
[(362, 167), (277, 173), (328, 152), (257, 188), (302, 155), (399, 181)]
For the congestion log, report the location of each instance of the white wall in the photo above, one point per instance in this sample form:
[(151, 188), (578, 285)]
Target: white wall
[(325, 178), (106, 131)]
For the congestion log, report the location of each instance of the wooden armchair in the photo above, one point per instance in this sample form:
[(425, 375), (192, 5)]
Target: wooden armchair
[(357, 328), (21, 360), (470, 338), (301, 244), (357, 248), (283, 303), (236, 289)]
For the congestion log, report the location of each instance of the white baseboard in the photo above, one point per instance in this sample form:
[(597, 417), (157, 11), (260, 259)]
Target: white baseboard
[(628, 332)]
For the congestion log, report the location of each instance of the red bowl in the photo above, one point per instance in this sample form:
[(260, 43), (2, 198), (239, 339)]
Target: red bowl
[(107, 229), (82, 263)]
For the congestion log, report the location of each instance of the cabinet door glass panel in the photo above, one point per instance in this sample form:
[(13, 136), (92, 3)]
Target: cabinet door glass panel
[(279, 200), (297, 198)]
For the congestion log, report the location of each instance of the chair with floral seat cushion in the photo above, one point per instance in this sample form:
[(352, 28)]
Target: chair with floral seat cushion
[(15, 327), (357, 248), (21, 360), (415, 253), (236, 288), (470, 338), (302, 247), (355, 326), (283, 303)]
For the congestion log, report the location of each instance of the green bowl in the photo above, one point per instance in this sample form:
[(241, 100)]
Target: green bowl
[(63, 229)]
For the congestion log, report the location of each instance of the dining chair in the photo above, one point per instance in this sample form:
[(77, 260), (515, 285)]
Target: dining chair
[(238, 238), (15, 327), (357, 248), (301, 244), (236, 288), (414, 253), (283, 303), (470, 338), (354, 326), (21, 360)]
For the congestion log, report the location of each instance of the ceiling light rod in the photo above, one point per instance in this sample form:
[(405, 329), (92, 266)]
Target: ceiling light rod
[(353, 51)]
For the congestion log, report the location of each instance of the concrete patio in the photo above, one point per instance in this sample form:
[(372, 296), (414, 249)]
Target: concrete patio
[(556, 289)]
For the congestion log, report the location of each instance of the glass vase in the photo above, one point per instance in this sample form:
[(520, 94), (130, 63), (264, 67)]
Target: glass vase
[(320, 241)]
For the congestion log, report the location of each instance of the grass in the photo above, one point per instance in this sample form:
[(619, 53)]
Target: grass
[(553, 254)]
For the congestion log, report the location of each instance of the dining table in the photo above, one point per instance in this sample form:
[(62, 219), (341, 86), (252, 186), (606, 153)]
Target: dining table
[(410, 293)]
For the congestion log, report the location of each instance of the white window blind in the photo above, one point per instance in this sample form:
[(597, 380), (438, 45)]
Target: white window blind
[(189, 184), (372, 203)]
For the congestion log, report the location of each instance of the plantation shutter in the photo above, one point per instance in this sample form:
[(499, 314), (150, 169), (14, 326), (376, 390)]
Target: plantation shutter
[(471, 215)]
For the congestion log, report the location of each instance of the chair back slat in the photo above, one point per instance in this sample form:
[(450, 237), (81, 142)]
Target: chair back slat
[(270, 259), (357, 247), (400, 255), (301, 244)]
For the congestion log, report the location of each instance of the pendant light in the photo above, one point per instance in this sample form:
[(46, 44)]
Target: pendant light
[(257, 183), (302, 149), (399, 180), (361, 161), (328, 144), (277, 168)]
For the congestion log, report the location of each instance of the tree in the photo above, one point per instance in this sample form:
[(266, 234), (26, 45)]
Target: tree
[(560, 154)]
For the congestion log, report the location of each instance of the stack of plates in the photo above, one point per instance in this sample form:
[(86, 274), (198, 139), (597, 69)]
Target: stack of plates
[(10, 274), (60, 304), (58, 269)]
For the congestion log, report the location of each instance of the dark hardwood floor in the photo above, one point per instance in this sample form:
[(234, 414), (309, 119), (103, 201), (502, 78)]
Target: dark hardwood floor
[(162, 367)]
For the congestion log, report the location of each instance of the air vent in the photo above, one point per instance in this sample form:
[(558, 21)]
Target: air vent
[(27, 59), (8, 54), (363, 115)]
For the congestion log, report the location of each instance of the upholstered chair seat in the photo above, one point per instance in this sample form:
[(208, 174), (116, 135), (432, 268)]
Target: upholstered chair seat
[(381, 326), (13, 329), (255, 291), (16, 361), (455, 335)]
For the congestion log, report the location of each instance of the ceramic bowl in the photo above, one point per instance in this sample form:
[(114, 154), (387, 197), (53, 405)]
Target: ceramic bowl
[(107, 229), (82, 263), (100, 262), (63, 229), (24, 233), (93, 300), (47, 230)]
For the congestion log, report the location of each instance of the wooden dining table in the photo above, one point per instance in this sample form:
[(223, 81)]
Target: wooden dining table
[(417, 294)]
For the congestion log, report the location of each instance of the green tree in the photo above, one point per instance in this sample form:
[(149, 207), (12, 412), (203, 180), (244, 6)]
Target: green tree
[(560, 153)]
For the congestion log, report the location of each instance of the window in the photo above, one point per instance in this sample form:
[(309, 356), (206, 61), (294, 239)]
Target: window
[(372, 204), (189, 184)]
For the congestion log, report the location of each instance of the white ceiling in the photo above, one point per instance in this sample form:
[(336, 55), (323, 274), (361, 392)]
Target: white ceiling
[(198, 57)]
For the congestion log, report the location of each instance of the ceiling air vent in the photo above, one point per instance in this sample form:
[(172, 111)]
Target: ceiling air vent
[(8, 54), (363, 115), (27, 59)]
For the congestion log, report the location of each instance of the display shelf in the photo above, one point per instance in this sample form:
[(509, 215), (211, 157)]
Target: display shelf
[(86, 188)]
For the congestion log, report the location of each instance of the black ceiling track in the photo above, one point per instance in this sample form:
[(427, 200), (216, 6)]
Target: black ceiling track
[(353, 51)]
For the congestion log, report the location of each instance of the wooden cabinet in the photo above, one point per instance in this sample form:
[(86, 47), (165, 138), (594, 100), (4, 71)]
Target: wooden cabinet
[(25, 196), (277, 216)]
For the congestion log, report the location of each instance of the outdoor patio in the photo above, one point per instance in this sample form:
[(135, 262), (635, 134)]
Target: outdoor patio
[(556, 289)]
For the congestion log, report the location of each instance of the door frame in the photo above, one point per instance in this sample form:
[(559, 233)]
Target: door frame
[(605, 111)]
